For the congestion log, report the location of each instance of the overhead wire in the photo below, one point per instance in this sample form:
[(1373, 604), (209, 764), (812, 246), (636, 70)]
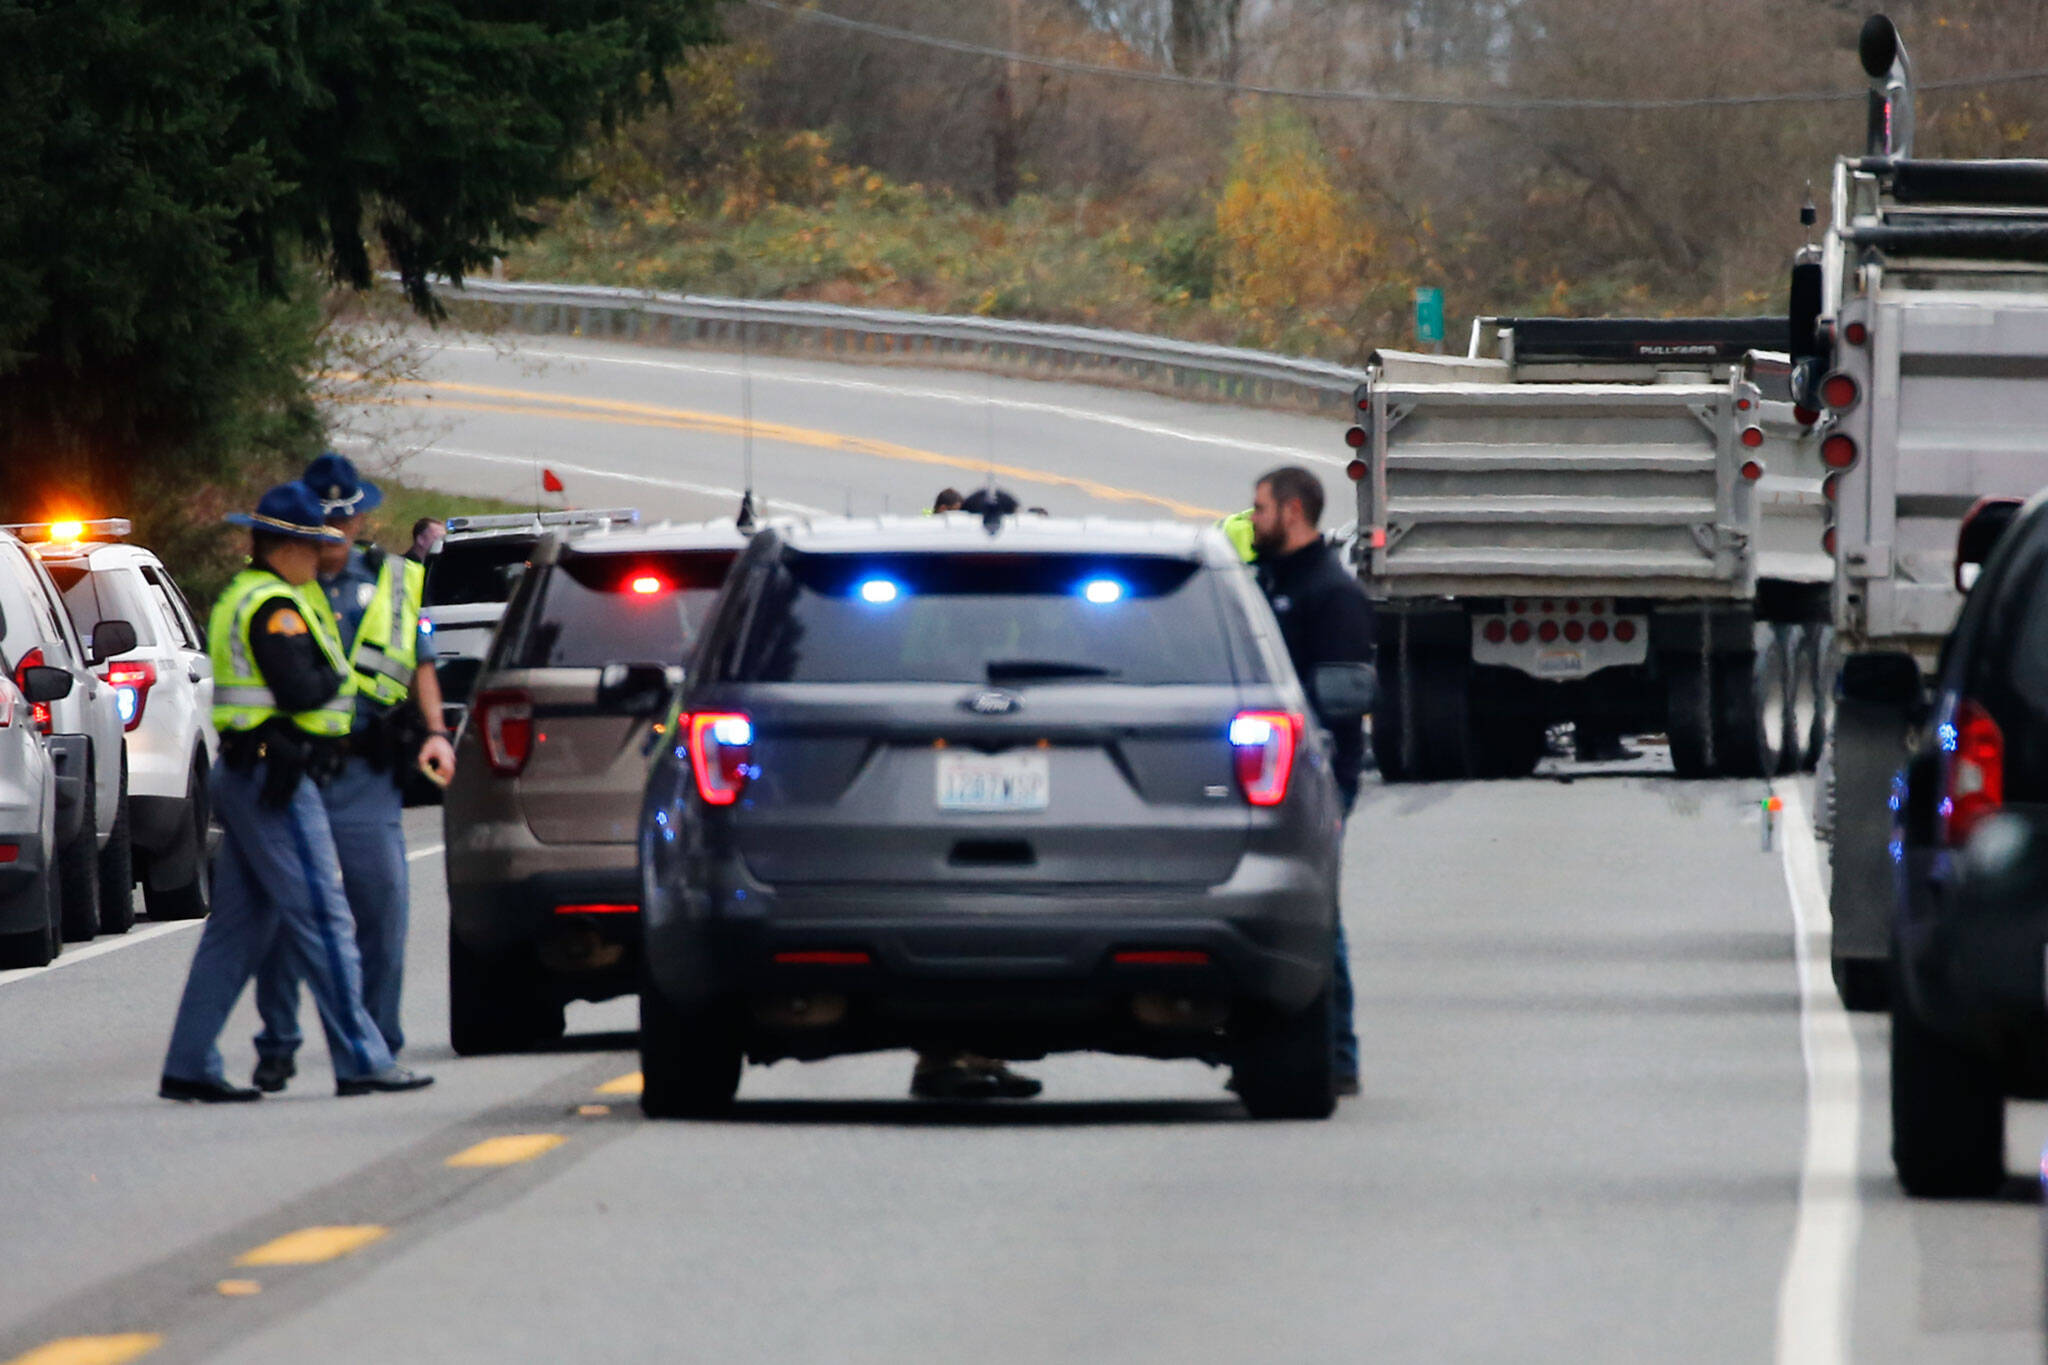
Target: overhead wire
[(1505, 102)]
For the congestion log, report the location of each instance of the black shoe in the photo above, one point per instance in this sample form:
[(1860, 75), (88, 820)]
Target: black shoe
[(1009, 1084), (272, 1072), (390, 1079), (205, 1092), (953, 1081)]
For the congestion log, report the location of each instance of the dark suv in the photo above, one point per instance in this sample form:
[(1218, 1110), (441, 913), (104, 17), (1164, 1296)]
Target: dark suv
[(1045, 786), (1969, 1022)]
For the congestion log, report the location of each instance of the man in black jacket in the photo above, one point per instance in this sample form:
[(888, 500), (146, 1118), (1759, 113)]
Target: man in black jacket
[(1325, 617)]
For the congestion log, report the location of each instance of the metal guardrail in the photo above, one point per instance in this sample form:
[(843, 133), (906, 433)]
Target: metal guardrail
[(1086, 354)]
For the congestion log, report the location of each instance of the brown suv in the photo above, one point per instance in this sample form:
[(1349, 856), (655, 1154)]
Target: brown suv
[(541, 820)]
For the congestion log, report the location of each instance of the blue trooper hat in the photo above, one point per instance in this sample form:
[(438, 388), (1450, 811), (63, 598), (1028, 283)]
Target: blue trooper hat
[(290, 509), (342, 490)]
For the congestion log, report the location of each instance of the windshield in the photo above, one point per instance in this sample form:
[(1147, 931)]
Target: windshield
[(1007, 619), (481, 570), (621, 606)]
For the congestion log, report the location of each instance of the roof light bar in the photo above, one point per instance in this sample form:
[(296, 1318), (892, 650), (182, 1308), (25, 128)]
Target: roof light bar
[(59, 532)]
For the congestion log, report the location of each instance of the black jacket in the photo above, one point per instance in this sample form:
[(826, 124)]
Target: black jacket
[(1326, 618)]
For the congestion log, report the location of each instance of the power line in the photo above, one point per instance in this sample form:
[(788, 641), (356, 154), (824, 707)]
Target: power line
[(1492, 102)]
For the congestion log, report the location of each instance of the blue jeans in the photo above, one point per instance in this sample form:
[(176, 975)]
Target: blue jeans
[(367, 812), (275, 882)]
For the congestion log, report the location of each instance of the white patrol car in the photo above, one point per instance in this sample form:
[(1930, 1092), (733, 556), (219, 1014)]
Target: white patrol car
[(30, 915), (163, 688)]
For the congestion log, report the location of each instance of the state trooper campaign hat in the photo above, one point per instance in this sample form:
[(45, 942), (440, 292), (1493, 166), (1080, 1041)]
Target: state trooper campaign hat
[(342, 490), (290, 509)]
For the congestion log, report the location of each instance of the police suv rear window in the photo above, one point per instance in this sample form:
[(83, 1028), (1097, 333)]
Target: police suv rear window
[(620, 606), (1010, 619), (481, 570), (108, 595)]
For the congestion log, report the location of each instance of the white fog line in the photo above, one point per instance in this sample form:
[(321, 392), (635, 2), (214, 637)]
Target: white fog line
[(564, 467), (1266, 448), (73, 956), (429, 851), (1817, 1290)]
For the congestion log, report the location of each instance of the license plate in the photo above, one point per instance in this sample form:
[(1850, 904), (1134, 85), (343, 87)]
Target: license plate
[(1560, 663), (994, 782)]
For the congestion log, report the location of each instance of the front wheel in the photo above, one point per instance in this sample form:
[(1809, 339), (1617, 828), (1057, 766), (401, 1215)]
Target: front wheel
[(690, 1060), (1287, 1070)]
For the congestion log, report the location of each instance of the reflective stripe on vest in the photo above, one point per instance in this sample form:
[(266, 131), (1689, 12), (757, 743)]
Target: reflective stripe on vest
[(387, 644), (242, 700)]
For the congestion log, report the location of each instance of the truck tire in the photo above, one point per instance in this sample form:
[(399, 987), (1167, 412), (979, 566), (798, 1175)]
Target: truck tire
[(1440, 706), (1948, 1113), (1749, 707), (1802, 699), (1821, 654), (497, 1002), (1390, 717), (1507, 730), (1689, 715), (1286, 1070), (117, 868), (690, 1061), (1870, 745)]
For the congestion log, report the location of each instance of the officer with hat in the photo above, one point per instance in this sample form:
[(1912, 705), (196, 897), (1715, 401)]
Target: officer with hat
[(370, 601), (284, 699)]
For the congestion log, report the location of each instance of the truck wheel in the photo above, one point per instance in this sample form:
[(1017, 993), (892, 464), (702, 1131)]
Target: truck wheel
[(1869, 747), (191, 900), (1389, 717), (1507, 731), (1440, 705), (117, 868), (690, 1061), (78, 876), (1749, 707), (1948, 1113), (497, 1002), (1689, 715), (1286, 1070), (1802, 699)]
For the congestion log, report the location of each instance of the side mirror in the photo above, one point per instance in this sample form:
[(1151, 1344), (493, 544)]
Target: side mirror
[(109, 638), (46, 684), (1883, 679), (1978, 536), (633, 689), (1344, 692)]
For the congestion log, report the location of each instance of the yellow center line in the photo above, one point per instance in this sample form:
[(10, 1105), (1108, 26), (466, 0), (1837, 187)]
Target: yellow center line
[(507, 1150), (238, 1289), (617, 412), (308, 1246), (107, 1350), (628, 1084)]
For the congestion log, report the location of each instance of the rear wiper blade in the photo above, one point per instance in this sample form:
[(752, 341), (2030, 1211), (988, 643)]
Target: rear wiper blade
[(1029, 670)]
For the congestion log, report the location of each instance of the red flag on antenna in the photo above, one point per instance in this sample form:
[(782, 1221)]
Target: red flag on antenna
[(549, 481)]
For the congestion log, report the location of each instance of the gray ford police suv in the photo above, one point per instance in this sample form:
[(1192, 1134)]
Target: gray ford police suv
[(1015, 787)]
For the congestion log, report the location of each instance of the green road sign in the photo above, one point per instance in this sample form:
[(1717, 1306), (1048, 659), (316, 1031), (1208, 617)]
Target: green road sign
[(1429, 314)]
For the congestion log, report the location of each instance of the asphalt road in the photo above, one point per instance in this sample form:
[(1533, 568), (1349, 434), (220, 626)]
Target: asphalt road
[(1602, 1119)]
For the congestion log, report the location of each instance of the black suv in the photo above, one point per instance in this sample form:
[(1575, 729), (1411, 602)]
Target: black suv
[(1013, 788), (1969, 1022)]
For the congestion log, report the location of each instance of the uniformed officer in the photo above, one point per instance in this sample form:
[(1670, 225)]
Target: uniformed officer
[(371, 601), (283, 701)]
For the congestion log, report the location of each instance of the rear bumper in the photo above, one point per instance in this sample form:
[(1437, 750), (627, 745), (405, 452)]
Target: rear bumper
[(1006, 967), (21, 913), (591, 955)]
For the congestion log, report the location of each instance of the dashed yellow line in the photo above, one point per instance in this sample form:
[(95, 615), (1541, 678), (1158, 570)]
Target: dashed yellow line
[(628, 1084), (107, 1350), (618, 412), (309, 1246), (507, 1150), (237, 1289)]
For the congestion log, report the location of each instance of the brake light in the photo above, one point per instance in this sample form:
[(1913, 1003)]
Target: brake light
[(1264, 744), (40, 709), (1752, 470), (1752, 437), (1855, 334), (598, 908), (1355, 438), (721, 745), (131, 680), (1838, 451), (1839, 392), (646, 585), (1976, 771), (1161, 957), (504, 717)]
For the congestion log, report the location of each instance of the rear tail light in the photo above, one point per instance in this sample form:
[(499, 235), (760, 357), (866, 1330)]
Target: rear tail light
[(1264, 744), (1547, 632), (598, 908), (1496, 632), (1855, 334), (504, 717), (1805, 416), (1752, 470), (1624, 631), (1574, 631), (131, 680), (1355, 471), (1976, 771), (1162, 957), (41, 709), (1827, 540), (721, 750), (1839, 392), (1752, 437), (1597, 631), (1831, 487), (823, 957), (1355, 438), (1838, 451), (1520, 632)]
